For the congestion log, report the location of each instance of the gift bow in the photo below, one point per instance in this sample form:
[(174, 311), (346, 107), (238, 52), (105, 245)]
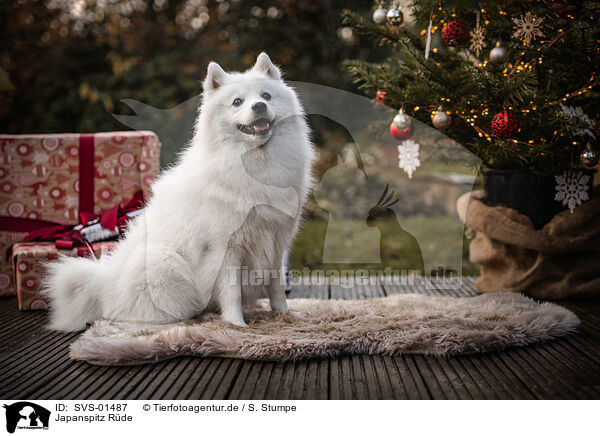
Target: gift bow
[(116, 215), (69, 236)]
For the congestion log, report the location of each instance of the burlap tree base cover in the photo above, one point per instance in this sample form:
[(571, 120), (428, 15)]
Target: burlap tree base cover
[(562, 259)]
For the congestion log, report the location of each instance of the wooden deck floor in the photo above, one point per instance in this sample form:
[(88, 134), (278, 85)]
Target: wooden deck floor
[(35, 365)]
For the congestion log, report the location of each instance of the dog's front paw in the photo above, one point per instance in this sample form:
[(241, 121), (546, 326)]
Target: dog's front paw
[(235, 320), (279, 306)]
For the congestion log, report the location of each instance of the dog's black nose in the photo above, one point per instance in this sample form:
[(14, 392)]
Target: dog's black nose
[(259, 107)]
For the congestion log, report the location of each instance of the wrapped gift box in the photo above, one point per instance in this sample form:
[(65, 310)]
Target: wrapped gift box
[(29, 259), (46, 179)]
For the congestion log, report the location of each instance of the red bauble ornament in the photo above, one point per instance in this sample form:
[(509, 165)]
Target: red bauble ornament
[(400, 135), (454, 33), (505, 124)]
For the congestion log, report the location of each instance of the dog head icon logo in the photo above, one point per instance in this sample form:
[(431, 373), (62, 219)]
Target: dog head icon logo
[(26, 415)]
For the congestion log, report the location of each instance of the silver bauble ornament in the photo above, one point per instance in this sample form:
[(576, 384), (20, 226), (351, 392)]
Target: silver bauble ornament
[(590, 157), (379, 16), (402, 121), (441, 120), (395, 16), (498, 55)]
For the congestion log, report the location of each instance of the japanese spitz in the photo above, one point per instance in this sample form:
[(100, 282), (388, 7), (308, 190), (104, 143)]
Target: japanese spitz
[(216, 226)]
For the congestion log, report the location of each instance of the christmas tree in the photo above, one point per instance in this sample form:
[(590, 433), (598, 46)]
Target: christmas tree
[(516, 82)]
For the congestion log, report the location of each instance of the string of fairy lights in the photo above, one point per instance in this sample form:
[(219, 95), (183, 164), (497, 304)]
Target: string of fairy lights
[(471, 119), (472, 115)]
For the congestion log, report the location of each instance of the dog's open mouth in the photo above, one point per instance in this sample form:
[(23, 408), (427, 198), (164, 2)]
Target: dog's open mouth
[(260, 127)]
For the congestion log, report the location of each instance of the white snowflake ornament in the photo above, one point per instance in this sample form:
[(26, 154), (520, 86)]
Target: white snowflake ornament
[(477, 39), (571, 189), (573, 112), (527, 27), (408, 156)]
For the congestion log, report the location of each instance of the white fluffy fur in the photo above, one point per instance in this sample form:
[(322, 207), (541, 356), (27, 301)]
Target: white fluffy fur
[(234, 200)]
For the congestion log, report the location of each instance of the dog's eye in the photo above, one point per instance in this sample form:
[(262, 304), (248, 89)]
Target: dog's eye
[(237, 102), (266, 96)]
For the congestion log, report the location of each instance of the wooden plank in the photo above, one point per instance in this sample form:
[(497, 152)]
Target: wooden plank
[(67, 385), (432, 378), (194, 378), (219, 381), (33, 354), (358, 378), (243, 388), (187, 378), (399, 388), (316, 381), (498, 378), (138, 378), (157, 375), (9, 313), (335, 292), (177, 375), (284, 390), (408, 362), (376, 377), (460, 382), (44, 366), (275, 380), (543, 386), (19, 329), (310, 291), (589, 377), (298, 391), (263, 380), (469, 284), (341, 383), (60, 370), (101, 383), (513, 377), (296, 292), (28, 350), (18, 336), (566, 349), (336, 392), (543, 355), (126, 379), (475, 380)]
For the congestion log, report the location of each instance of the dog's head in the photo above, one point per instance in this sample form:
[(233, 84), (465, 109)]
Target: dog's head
[(248, 106)]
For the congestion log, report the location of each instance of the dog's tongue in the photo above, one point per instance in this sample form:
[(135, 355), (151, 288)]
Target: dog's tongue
[(260, 125)]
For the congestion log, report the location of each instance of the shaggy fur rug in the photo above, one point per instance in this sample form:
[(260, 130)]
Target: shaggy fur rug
[(396, 324)]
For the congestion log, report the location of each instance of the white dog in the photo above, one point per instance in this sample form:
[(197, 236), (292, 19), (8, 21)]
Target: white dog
[(231, 206)]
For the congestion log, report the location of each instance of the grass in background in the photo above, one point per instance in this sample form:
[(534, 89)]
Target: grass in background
[(437, 237)]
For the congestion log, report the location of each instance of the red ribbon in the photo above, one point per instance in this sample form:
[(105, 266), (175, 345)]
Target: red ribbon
[(66, 236), (86, 173), (116, 215), (23, 225)]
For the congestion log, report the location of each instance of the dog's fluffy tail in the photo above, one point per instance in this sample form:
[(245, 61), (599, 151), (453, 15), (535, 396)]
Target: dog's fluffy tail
[(70, 285)]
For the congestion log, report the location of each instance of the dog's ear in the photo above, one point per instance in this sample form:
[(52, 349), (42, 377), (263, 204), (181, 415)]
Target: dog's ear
[(215, 77), (264, 65)]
